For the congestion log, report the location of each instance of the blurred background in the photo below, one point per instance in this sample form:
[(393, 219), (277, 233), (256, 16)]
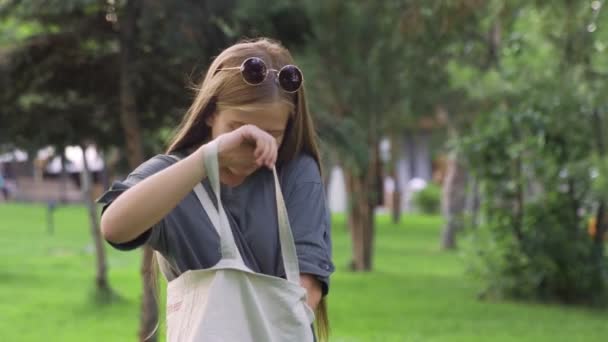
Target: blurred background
[(464, 151)]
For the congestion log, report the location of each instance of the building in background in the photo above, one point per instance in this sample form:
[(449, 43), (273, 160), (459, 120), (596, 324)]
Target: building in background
[(419, 163), (45, 178)]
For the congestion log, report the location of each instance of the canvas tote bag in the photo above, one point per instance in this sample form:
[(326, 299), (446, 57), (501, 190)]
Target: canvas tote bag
[(230, 302)]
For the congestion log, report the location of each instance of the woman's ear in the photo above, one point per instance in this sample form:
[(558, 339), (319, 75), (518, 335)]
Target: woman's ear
[(210, 120)]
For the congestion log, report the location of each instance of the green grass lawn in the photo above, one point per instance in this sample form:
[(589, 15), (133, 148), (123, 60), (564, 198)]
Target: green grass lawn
[(415, 293)]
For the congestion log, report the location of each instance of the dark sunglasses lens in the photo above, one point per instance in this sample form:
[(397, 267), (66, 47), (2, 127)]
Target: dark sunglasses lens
[(290, 78), (254, 70)]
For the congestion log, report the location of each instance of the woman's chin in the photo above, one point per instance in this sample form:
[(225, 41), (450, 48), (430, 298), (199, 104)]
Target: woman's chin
[(233, 179), (232, 182)]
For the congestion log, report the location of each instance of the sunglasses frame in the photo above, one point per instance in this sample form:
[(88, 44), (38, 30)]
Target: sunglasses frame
[(241, 68)]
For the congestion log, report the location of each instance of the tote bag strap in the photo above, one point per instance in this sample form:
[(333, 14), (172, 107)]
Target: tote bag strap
[(218, 217), (288, 247)]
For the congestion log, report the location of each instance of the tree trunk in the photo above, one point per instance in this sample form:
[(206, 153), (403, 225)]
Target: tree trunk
[(361, 222), (601, 225), (473, 202), (453, 201), (362, 189), (396, 210), (131, 130), (128, 106), (395, 153), (101, 280)]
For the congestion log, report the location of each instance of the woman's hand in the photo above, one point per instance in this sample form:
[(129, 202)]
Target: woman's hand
[(313, 289), (243, 151)]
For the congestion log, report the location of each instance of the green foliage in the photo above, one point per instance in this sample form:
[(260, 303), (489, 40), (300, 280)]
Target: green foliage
[(60, 64), (553, 262), (428, 200), (535, 148), (377, 66), (535, 179), (600, 178), (338, 58)]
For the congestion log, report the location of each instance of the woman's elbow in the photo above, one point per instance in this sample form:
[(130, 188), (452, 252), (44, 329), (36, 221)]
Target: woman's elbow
[(109, 230)]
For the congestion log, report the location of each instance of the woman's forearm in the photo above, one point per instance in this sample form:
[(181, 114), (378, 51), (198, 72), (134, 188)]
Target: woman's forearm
[(146, 203)]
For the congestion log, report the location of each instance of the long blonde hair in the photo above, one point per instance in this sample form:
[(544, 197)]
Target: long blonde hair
[(220, 90)]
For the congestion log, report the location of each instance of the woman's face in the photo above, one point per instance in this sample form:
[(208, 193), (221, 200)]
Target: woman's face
[(271, 118)]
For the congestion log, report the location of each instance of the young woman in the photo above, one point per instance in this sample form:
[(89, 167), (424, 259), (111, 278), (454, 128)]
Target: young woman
[(252, 107)]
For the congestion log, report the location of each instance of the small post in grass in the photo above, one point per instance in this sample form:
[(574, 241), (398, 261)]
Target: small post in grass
[(51, 205)]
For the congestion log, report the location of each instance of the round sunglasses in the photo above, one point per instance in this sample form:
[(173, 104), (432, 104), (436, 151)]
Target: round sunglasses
[(254, 72)]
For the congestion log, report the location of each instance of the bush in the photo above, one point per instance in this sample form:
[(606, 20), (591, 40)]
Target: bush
[(428, 200), (553, 261), (536, 184)]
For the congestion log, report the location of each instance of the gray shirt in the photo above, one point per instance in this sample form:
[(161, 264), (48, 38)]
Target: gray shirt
[(187, 239)]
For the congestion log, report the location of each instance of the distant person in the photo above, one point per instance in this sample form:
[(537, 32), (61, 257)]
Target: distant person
[(235, 277), (3, 187)]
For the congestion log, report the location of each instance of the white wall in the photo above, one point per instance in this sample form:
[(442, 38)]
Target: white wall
[(336, 193)]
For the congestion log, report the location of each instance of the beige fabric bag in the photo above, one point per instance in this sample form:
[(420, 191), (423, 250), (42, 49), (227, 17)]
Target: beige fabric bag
[(230, 302)]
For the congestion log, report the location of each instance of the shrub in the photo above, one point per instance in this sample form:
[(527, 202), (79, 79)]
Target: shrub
[(428, 200), (537, 188)]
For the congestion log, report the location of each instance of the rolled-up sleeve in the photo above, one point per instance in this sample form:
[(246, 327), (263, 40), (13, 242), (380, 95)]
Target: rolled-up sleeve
[(310, 223), (154, 235)]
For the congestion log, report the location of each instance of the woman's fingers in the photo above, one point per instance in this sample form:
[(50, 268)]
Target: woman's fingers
[(267, 152), (251, 134), (260, 151), (275, 153), (260, 147), (268, 161)]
